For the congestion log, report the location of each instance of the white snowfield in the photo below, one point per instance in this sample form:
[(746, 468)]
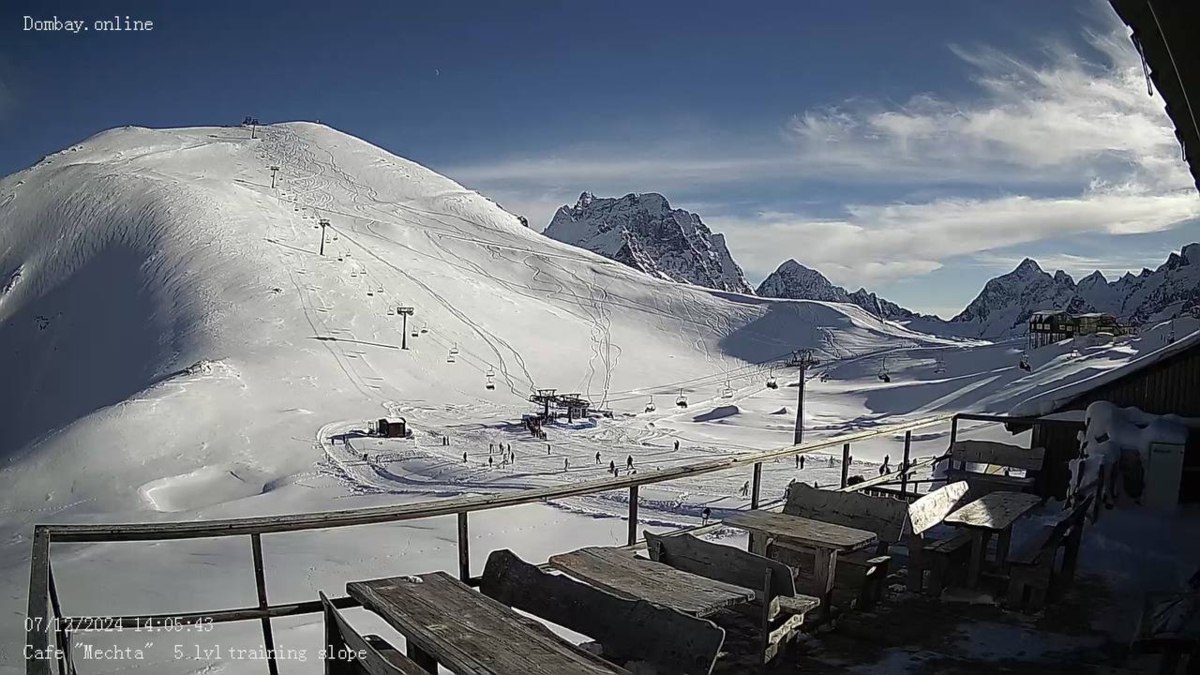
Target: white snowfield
[(174, 346)]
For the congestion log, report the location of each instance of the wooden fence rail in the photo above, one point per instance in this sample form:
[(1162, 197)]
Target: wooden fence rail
[(45, 615)]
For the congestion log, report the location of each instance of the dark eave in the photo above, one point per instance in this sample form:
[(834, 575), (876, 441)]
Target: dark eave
[(1167, 33)]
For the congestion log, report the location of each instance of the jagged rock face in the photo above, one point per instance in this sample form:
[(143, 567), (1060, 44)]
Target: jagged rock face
[(645, 233), (795, 281), (1006, 302)]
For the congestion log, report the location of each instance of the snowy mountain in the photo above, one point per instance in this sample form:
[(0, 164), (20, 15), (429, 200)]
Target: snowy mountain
[(1006, 302), (793, 280), (645, 233)]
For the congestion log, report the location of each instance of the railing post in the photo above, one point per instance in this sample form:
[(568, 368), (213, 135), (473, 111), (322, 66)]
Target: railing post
[(953, 431), (261, 583), (845, 463), (62, 633), (464, 550), (904, 467), (633, 504), (756, 486), (37, 633)]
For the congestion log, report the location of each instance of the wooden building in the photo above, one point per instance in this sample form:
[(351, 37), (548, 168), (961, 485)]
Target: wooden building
[(391, 427), (1165, 381)]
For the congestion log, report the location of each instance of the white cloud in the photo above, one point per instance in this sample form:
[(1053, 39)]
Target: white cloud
[(876, 243), (1067, 119), (1068, 145)]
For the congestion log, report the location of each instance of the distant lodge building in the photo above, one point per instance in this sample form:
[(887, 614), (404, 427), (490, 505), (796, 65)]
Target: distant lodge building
[(1165, 381), (1048, 327)]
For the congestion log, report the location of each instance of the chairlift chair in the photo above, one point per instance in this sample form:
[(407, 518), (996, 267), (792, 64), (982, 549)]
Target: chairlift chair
[(771, 383), (454, 349), (727, 391), (681, 401), (391, 312), (450, 357), (489, 385), (650, 405), (883, 372), (424, 328)]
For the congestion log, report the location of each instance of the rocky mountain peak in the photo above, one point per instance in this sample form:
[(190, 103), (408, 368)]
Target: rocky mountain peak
[(795, 281), (643, 231)]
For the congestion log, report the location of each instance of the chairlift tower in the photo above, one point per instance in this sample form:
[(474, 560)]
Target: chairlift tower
[(274, 170), (404, 313), (802, 359), (324, 223)]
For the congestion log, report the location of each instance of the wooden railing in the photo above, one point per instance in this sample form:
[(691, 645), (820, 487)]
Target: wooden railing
[(45, 616)]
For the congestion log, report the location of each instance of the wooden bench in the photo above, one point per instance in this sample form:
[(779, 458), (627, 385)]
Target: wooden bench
[(1032, 566), (865, 571), (939, 557), (348, 652), (1001, 456), (627, 629), (782, 609)]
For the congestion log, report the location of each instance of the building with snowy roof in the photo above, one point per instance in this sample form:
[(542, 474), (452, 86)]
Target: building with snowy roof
[(1165, 381)]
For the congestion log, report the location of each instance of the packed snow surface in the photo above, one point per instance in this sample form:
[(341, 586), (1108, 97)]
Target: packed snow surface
[(178, 348)]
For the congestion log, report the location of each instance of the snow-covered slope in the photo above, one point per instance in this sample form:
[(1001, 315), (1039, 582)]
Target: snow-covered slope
[(165, 309), (175, 347), (1006, 302), (793, 280), (645, 233)]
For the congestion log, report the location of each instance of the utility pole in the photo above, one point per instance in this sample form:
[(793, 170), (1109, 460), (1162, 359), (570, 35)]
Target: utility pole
[(274, 170), (404, 313), (324, 223), (802, 359)]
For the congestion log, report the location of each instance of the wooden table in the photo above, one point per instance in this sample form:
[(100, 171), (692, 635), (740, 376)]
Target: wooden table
[(625, 574), (445, 621), (993, 513), (824, 540)]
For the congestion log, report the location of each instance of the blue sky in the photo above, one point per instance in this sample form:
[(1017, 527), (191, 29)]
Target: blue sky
[(917, 148)]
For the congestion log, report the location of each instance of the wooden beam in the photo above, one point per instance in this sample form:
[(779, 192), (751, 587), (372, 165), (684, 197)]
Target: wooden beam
[(37, 627), (464, 550), (83, 532)]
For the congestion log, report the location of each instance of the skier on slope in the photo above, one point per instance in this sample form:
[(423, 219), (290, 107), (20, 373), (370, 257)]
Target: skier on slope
[(566, 464), (677, 445), (745, 488), (629, 462), (597, 456), (612, 467)]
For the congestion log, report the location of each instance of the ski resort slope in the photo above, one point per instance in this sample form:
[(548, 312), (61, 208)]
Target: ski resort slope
[(166, 311), (177, 347)]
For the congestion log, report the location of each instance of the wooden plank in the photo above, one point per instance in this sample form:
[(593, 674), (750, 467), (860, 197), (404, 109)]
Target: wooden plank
[(627, 629), (807, 531), (935, 506), (469, 633), (341, 639), (627, 575), (994, 511), (885, 517), (998, 454), (723, 563)]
